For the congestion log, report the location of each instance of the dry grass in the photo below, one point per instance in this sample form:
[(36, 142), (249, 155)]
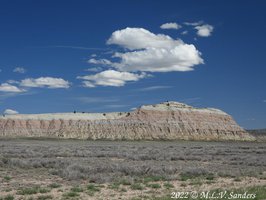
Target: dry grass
[(56, 169)]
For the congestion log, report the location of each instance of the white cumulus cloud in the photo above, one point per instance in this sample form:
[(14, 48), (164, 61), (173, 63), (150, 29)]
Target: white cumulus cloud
[(204, 30), (152, 52), (20, 70), (48, 82), (143, 51), (10, 112), (110, 78), (140, 38), (170, 26), (6, 87)]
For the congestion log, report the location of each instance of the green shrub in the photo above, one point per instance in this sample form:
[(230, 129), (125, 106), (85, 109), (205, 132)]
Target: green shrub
[(44, 197), (28, 191), (137, 186), (154, 185), (8, 197), (7, 178), (33, 190), (196, 173), (114, 186), (125, 182), (54, 185), (210, 177), (168, 185), (44, 190), (153, 179), (76, 189), (93, 188), (71, 194)]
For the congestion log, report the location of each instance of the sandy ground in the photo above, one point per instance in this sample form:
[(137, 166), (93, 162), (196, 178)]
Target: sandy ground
[(29, 167), (30, 178)]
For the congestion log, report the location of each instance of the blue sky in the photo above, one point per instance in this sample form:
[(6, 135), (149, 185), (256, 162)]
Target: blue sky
[(99, 56)]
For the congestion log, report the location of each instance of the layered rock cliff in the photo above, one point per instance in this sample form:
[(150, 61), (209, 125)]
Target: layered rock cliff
[(165, 121)]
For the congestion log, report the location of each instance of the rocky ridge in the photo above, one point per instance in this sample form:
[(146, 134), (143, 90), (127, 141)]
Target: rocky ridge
[(164, 121)]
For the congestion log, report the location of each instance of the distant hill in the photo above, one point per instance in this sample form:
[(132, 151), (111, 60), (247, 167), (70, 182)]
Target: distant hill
[(259, 134), (164, 121)]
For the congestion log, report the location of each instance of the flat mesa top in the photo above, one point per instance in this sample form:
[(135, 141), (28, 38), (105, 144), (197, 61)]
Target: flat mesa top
[(176, 106), (165, 106), (67, 116)]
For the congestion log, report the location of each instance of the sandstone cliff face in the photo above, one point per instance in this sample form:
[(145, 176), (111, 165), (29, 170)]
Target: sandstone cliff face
[(165, 121)]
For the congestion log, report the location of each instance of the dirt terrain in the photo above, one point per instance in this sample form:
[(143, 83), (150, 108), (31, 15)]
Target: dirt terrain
[(75, 169)]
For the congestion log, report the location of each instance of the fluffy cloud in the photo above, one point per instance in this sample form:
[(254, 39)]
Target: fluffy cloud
[(110, 78), (140, 38), (12, 86), (48, 82), (181, 58), (204, 30), (152, 52), (6, 87), (10, 112), (170, 26), (20, 70), (143, 52)]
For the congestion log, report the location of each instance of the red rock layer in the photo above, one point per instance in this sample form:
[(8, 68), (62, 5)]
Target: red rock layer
[(137, 125)]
